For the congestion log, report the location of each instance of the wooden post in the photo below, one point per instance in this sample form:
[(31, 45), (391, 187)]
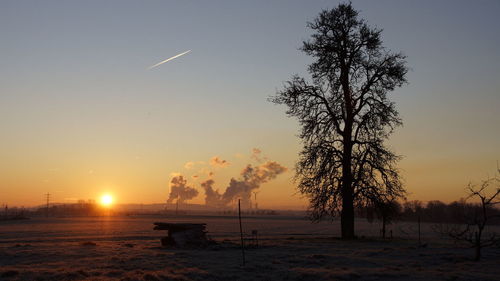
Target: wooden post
[(241, 232), (419, 242), (383, 226)]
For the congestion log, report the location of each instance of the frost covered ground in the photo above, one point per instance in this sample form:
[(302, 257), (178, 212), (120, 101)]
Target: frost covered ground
[(290, 248)]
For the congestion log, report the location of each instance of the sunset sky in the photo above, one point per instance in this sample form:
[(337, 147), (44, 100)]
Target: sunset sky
[(82, 115)]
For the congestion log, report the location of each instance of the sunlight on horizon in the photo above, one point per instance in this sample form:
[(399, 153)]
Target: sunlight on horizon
[(106, 200)]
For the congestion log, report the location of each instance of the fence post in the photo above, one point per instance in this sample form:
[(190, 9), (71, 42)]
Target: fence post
[(419, 241), (241, 232)]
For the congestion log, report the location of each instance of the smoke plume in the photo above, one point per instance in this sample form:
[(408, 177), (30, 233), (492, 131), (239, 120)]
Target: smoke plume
[(180, 190), (252, 177), (212, 197)]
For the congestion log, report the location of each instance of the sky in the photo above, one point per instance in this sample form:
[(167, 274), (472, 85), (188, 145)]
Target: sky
[(82, 115)]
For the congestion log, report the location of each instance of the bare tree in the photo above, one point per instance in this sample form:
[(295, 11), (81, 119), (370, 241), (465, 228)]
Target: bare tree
[(345, 116), (477, 216), (387, 212)]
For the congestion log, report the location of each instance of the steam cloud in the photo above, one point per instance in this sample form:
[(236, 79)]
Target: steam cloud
[(180, 190), (212, 197), (252, 177)]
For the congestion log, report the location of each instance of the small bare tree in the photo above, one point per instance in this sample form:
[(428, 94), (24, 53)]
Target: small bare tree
[(477, 216), (388, 212)]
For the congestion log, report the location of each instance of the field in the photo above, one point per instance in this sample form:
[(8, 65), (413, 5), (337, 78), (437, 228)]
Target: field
[(290, 248)]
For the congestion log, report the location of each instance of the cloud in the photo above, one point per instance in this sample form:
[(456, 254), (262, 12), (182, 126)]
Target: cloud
[(217, 162), (205, 171), (191, 164), (257, 155)]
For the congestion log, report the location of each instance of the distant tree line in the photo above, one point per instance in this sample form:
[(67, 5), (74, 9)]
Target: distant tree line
[(250, 212), (433, 211), (14, 213), (82, 208)]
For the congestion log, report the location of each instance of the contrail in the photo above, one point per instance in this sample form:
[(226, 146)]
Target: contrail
[(169, 59)]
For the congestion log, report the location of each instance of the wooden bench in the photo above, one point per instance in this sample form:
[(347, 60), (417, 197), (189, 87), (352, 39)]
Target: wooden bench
[(183, 234)]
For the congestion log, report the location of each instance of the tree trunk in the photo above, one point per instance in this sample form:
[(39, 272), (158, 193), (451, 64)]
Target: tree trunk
[(477, 236), (347, 214), (477, 256)]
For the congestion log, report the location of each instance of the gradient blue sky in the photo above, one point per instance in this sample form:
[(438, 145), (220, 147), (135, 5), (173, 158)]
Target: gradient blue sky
[(80, 114)]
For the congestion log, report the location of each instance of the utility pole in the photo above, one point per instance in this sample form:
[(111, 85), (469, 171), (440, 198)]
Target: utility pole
[(48, 199)]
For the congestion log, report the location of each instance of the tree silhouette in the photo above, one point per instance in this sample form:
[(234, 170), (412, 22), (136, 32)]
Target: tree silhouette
[(345, 116), (475, 218), (387, 212)]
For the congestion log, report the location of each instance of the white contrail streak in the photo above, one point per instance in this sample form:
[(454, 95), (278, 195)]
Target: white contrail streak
[(169, 59)]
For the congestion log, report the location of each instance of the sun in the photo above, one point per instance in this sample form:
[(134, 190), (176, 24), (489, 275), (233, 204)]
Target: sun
[(106, 200)]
